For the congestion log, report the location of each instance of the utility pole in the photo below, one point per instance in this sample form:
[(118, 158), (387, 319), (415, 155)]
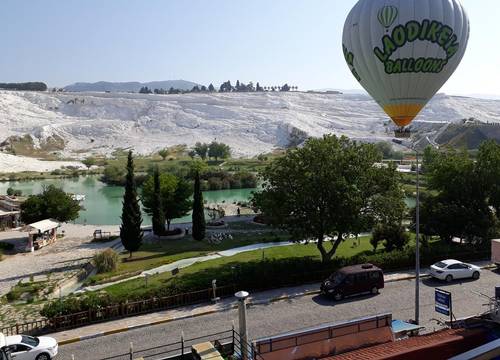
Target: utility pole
[(242, 315), (413, 146), (417, 246)]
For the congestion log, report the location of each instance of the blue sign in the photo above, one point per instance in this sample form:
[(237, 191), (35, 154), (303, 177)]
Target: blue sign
[(443, 302)]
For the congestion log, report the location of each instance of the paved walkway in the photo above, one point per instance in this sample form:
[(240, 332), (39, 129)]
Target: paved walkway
[(183, 263), (161, 317)]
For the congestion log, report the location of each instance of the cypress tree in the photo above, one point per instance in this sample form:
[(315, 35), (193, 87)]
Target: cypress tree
[(130, 230), (198, 211), (158, 214)]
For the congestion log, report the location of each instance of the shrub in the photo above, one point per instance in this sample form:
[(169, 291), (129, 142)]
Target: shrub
[(14, 192), (374, 241), (106, 261), (74, 304), (394, 236)]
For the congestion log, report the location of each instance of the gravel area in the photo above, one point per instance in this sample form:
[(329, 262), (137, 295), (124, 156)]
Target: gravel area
[(62, 258)]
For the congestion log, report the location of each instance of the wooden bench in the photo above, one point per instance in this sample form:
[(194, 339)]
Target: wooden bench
[(205, 351)]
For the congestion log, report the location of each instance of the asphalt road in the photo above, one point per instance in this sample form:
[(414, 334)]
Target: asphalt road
[(265, 320)]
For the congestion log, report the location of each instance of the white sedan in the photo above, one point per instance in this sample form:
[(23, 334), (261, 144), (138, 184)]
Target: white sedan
[(453, 269), (23, 347)]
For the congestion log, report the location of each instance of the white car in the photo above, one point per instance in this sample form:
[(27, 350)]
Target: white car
[(23, 347), (449, 270)]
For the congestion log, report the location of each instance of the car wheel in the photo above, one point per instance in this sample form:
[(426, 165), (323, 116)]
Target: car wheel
[(374, 290), (475, 275), (43, 356), (338, 296), (449, 278)]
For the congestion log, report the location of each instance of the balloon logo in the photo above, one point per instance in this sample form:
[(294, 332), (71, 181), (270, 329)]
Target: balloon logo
[(387, 15), (403, 63)]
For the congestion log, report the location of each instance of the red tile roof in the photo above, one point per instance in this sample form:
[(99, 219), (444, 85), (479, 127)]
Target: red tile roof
[(439, 345)]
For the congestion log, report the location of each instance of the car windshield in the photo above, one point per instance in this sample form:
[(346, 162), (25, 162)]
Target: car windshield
[(440, 264), (336, 278), (30, 340)]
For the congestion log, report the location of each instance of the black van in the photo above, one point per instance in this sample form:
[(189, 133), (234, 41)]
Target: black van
[(352, 280)]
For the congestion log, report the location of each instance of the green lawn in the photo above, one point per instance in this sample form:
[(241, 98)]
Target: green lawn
[(154, 255), (137, 286)]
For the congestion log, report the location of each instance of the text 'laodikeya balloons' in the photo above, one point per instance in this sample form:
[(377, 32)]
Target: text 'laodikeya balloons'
[(403, 51)]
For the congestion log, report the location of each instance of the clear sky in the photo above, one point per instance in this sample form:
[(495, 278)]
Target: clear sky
[(271, 41)]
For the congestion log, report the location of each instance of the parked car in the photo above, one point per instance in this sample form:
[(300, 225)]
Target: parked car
[(352, 280), (23, 347), (450, 269), (4, 351)]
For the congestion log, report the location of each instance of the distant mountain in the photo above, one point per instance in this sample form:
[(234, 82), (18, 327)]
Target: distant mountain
[(132, 86), (83, 124), (343, 91), (469, 135)]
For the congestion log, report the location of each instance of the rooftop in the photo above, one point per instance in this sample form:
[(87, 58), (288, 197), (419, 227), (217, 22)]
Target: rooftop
[(44, 225), (438, 345)]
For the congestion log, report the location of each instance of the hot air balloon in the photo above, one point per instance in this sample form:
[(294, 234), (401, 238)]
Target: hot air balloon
[(403, 51)]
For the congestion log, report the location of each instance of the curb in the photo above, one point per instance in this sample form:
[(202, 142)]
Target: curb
[(138, 326), (225, 308)]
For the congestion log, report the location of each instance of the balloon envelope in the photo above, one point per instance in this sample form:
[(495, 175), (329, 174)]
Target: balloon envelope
[(403, 51)]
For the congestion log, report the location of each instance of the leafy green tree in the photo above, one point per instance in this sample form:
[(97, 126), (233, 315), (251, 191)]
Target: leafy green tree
[(198, 215), (114, 174), (192, 154), (175, 196), (130, 230), (30, 86), (374, 241), (285, 87), (393, 235), (326, 188), (52, 203), (201, 149), (428, 158), (89, 162), (158, 216), (462, 203), (163, 153), (218, 150), (13, 192), (488, 169), (226, 87)]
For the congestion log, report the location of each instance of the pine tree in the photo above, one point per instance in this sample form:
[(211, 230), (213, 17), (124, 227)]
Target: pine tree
[(158, 214), (198, 211), (130, 230), (211, 88)]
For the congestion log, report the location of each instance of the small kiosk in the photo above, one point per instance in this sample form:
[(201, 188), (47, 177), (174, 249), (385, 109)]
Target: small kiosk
[(41, 233)]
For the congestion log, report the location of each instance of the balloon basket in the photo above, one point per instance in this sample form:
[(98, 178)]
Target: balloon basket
[(402, 133)]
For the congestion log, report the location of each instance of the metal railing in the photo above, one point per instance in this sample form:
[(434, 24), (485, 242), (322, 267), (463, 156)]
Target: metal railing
[(117, 311), (223, 341)]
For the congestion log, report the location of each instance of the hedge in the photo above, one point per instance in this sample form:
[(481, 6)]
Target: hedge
[(268, 274)]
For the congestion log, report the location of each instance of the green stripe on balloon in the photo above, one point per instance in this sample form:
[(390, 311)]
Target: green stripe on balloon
[(387, 15)]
